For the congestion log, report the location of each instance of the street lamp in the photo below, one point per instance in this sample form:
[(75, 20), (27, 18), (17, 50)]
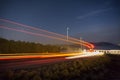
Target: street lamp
[(67, 37), (81, 43), (67, 32)]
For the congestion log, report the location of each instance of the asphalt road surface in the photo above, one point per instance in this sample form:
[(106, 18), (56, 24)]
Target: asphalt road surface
[(13, 61)]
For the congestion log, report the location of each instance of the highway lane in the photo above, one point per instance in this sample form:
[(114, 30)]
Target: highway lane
[(13, 61), (29, 61)]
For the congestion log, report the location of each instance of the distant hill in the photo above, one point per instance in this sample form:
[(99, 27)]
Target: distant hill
[(106, 46)]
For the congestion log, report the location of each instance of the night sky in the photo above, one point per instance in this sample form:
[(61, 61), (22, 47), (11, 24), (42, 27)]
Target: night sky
[(93, 20)]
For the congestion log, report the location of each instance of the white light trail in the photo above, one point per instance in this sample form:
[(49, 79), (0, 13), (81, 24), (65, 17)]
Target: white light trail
[(85, 54)]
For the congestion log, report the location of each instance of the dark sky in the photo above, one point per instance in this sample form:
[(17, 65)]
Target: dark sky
[(93, 20)]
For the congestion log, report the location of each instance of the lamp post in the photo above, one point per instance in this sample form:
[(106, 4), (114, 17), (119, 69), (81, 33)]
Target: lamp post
[(67, 37), (67, 33), (81, 43)]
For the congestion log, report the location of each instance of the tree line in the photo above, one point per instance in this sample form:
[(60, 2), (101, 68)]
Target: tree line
[(11, 46)]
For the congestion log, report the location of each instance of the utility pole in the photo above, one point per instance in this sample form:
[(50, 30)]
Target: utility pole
[(67, 33), (81, 43), (67, 38)]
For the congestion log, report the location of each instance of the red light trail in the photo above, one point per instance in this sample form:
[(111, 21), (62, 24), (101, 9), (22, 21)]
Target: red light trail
[(63, 37), (36, 34)]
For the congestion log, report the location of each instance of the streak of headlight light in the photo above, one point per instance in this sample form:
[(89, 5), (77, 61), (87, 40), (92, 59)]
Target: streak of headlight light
[(87, 54), (83, 42), (35, 56), (36, 34)]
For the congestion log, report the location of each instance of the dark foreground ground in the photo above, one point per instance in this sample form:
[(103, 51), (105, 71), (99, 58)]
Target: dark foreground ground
[(113, 68), (106, 67)]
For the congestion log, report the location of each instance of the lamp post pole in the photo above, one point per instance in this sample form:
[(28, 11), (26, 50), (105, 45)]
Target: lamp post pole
[(81, 43), (67, 38), (67, 33)]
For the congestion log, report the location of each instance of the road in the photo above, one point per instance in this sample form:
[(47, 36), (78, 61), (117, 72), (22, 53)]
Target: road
[(14, 61), (29, 63), (25, 61)]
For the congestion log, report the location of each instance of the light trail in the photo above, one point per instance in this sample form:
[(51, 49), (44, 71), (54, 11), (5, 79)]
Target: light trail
[(43, 35), (13, 62), (91, 46), (85, 54), (40, 56)]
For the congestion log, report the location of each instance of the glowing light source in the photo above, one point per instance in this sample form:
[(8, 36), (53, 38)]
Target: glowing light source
[(85, 54)]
